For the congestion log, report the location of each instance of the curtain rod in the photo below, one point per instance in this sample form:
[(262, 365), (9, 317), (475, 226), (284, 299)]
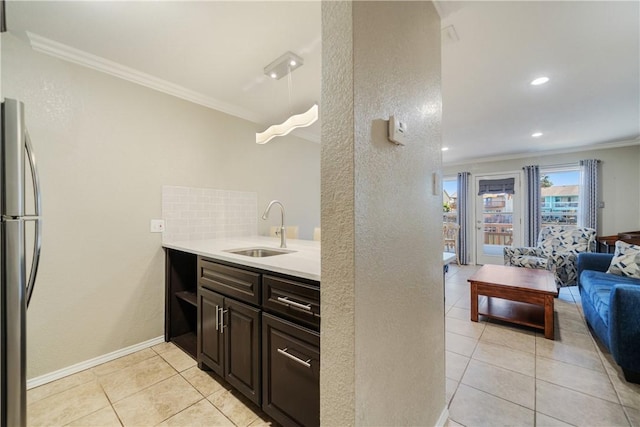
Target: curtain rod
[(561, 165)]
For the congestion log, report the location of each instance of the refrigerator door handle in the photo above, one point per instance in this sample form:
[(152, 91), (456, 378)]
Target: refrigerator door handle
[(37, 197)]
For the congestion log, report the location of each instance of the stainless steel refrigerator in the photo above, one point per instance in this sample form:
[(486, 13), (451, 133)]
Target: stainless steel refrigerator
[(16, 157)]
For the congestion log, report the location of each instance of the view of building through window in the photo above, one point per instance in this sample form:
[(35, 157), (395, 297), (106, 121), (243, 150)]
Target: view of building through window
[(560, 201), (449, 200), (560, 196), (497, 213)]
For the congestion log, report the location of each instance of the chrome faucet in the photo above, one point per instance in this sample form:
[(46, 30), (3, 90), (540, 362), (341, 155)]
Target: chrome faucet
[(282, 232)]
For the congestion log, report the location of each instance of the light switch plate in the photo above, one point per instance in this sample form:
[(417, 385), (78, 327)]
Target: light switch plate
[(157, 225)]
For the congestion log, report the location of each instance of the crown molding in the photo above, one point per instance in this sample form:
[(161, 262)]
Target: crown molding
[(591, 147), (68, 53)]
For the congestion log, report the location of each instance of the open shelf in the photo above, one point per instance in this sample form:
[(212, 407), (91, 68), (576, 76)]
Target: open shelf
[(521, 313), (188, 296), (181, 301), (187, 342)]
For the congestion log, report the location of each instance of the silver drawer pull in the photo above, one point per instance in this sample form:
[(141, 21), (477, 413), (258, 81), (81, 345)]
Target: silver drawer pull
[(295, 304), (292, 357)]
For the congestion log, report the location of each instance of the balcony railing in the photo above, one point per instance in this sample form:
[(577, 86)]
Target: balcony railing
[(498, 234), (501, 239), (495, 204), (560, 205)]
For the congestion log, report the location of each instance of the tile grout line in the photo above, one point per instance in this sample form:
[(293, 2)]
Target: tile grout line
[(149, 385), (109, 400), (582, 393), (501, 398), (207, 398), (95, 378)]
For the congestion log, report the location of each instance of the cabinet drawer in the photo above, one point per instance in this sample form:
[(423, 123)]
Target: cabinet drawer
[(294, 300), (291, 372), (229, 281)]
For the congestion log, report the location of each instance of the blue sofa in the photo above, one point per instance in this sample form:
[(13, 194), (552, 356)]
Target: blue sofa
[(611, 306)]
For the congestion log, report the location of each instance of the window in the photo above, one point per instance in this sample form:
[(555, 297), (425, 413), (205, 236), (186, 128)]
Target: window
[(449, 200), (560, 195)]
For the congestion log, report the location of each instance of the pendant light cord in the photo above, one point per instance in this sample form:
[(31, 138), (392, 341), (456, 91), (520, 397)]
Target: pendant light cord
[(290, 84)]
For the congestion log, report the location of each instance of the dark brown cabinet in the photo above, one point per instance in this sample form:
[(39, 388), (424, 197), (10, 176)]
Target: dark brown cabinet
[(180, 300), (291, 372), (230, 281), (293, 300), (241, 328), (257, 329), (229, 330), (210, 338)]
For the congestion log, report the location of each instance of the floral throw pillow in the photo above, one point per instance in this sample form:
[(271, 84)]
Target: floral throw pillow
[(626, 260)]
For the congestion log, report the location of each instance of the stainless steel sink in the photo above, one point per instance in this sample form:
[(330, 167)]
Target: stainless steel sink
[(259, 252)]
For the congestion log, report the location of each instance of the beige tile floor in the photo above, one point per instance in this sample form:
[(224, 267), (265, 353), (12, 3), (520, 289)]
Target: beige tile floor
[(500, 374), (496, 374), (157, 386)]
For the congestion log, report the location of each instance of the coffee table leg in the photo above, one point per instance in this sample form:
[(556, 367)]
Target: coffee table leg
[(474, 302), (548, 318)]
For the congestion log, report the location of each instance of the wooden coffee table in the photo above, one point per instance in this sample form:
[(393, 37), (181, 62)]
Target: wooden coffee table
[(514, 294)]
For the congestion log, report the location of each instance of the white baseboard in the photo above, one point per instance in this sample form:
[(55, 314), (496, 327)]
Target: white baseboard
[(444, 416), (61, 373)]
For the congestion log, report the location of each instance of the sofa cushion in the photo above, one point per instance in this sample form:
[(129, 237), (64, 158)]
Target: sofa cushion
[(626, 260), (596, 287)]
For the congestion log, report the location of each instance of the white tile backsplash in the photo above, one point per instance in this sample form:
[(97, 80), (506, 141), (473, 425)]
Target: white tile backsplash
[(206, 213)]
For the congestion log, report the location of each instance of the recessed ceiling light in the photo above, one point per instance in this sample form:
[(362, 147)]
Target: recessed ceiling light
[(539, 81), (536, 134), (274, 75), (292, 63), (445, 148)]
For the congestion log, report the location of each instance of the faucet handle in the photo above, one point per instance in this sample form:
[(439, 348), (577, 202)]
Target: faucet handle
[(278, 232)]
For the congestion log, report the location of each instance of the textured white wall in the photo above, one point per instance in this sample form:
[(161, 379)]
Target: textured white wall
[(105, 149), (619, 177), (382, 291)]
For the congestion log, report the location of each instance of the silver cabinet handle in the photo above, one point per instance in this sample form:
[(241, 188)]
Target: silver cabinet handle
[(37, 197), (294, 358), (222, 325), (287, 301)]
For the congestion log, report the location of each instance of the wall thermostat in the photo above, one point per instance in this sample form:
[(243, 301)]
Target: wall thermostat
[(397, 131)]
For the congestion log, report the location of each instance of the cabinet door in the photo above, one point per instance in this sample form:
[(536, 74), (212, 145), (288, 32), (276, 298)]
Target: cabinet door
[(291, 372), (241, 333), (210, 340)]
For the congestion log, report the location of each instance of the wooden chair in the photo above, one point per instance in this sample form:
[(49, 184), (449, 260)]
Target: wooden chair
[(292, 231), (451, 231)]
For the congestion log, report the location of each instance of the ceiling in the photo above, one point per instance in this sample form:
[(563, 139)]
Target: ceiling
[(589, 50), (216, 51)]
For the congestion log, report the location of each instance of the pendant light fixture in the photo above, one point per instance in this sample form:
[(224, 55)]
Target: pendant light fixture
[(283, 66), (296, 121)]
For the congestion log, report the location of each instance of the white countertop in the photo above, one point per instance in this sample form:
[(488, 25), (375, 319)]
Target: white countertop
[(304, 262)]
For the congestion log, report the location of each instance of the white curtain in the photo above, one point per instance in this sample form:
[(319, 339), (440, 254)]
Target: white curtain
[(589, 193), (464, 217), (533, 216)]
